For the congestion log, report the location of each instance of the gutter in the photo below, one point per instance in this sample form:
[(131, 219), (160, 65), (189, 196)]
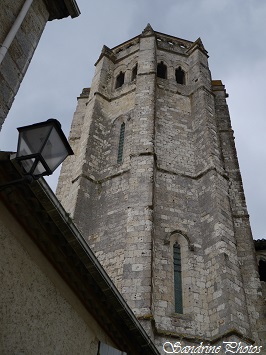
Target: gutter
[(14, 29)]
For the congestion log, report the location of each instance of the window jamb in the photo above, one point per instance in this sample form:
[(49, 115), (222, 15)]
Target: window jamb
[(134, 72)]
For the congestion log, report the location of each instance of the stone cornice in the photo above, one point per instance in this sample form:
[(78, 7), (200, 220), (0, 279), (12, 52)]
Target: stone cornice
[(109, 99), (196, 176), (158, 168), (100, 181)]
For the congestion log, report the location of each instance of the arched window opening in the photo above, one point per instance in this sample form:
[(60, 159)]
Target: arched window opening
[(120, 80), (162, 71), (121, 144), (177, 279), (262, 270), (134, 72), (180, 76)]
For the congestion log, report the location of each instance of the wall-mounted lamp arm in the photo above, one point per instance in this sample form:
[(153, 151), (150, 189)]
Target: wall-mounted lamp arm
[(25, 179)]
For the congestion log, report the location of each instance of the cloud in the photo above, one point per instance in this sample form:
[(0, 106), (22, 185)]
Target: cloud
[(233, 32)]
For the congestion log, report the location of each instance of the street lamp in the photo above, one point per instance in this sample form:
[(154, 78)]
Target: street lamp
[(42, 147)]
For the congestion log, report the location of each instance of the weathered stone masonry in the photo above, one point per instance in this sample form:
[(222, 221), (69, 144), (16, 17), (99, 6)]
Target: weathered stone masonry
[(15, 59), (178, 182)]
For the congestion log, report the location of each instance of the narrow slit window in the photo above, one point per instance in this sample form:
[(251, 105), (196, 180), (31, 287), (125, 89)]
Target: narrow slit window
[(134, 72), (120, 80), (177, 279), (162, 71), (180, 76), (121, 143)]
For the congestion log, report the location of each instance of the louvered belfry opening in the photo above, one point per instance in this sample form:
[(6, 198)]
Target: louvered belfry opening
[(121, 143), (177, 279)]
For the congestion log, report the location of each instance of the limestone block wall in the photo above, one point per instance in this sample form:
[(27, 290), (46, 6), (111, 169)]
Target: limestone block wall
[(107, 195), (243, 237), (191, 196), (261, 323), (18, 57), (173, 120), (67, 188)]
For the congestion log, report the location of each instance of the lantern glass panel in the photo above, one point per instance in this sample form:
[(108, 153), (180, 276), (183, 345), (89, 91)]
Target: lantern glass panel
[(31, 140), (39, 170), (54, 152), (42, 147), (28, 165)]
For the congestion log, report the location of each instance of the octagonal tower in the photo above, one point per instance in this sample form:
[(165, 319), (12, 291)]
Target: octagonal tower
[(156, 190)]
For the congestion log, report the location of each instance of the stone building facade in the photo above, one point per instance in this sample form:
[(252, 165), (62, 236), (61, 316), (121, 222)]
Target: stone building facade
[(22, 24), (155, 189)]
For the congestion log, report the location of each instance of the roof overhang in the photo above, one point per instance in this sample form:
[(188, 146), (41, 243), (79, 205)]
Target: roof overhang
[(59, 9)]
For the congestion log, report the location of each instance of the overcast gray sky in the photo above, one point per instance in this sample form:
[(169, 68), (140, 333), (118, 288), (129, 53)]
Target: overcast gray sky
[(232, 31)]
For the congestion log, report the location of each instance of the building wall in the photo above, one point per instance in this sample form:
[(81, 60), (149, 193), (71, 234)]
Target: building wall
[(19, 54), (261, 255), (179, 182), (98, 120), (18, 57), (39, 313)]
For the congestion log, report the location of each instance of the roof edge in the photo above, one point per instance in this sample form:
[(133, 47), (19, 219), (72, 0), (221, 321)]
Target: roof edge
[(73, 8), (102, 274), (59, 9)]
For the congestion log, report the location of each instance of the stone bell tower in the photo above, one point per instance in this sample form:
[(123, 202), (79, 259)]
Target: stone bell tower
[(155, 188)]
